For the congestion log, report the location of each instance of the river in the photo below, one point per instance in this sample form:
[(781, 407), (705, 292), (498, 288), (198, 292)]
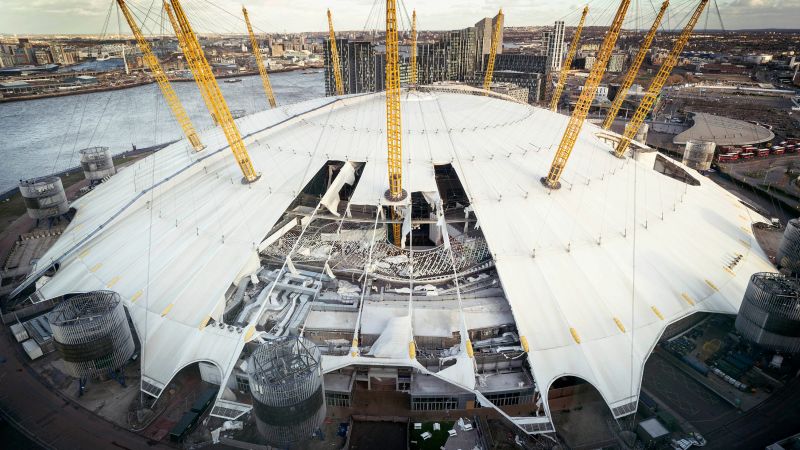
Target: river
[(40, 137)]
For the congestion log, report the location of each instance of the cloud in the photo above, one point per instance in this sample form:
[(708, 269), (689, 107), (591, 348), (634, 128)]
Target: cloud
[(88, 16)]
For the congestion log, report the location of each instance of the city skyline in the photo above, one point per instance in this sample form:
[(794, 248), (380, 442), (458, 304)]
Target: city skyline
[(47, 17)]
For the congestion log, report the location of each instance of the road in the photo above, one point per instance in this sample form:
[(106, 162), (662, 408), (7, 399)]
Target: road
[(49, 419), (777, 418), (693, 401)]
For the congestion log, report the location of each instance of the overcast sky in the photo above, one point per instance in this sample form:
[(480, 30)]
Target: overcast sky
[(89, 16)]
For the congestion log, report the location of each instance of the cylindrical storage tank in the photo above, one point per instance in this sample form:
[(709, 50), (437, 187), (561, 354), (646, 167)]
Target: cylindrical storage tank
[(789, 249), (44, 197), (770, 312), (641, 135), (699, 154), (91, 333), (288, 393), (97, 163)]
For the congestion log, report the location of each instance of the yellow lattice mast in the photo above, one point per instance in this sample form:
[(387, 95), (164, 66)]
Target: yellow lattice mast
[(573, 48), (182, 43), (413, 76), (658, 82), (336, 67), (205, 79), (394, 143), (634, 69), (585, 100), (498, 25), (259, 60), (161, 78)]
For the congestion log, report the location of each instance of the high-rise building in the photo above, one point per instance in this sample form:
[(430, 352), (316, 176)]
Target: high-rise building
[(520, 62), (532, 81), (461, 53), (617, 62), (554, 45), (431, 62), (483, 35)]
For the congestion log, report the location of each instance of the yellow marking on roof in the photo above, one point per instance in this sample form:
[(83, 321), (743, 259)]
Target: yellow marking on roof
[(524, 341), (712, 285), (619, 324), (688, 299), (728, 269), (657, 312), (575, 335), (412, 350), (470, 352), (96, 267), (136, 296), (745, 243), (167, 309), (204, 322), (746, 230), (743, 217), (113, 281), (249, 333), (84, 254)]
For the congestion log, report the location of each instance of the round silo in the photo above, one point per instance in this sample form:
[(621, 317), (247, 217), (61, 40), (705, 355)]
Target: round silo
[(789, 249), (770, 312), (699, 154), (91, 333), (288, 394), (44, 197), (97, 163)]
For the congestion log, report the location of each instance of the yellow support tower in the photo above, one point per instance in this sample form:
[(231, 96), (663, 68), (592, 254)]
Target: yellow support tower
[(259, 60), (658, 82), (394, 144), (335, 66), (622, 93), (413, 76), (573, 48), (585, 100), (182, 43), (205, 79), (161, 78), (498, 25)]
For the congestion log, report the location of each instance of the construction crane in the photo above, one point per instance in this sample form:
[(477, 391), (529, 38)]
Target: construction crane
[(413, 76), (182, 43), (335, 66), (259, 60), (657, 84), (573, 48), (498, 25), (622, 93), (393, 127), (161, 78), (205, 79), (585, 100)]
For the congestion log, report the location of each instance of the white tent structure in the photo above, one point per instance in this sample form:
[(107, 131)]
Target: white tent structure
[(593, 272)]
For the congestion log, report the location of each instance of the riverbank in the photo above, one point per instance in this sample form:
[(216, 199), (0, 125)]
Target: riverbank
[(108, 87)]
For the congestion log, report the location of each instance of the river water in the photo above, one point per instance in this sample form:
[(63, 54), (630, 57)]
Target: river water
[(40, 137)]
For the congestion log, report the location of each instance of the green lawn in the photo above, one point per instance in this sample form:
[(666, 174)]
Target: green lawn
[(435, 442)]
